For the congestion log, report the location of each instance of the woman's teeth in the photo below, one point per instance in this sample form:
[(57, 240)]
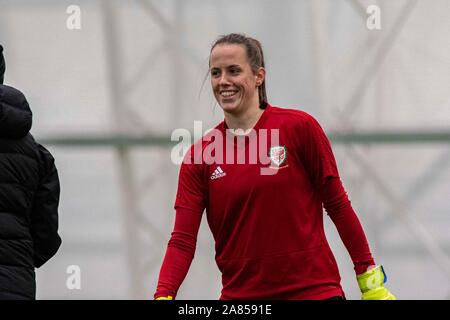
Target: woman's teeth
[(227, 94)]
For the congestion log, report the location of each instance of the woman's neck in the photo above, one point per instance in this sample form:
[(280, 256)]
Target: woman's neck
[(245, 120)]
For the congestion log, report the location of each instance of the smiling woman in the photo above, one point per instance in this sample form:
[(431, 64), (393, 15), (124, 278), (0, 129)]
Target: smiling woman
[(238, 79), (233, 80), (268, 227)]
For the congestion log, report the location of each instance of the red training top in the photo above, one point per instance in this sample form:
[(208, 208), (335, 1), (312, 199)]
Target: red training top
[(267, 225)]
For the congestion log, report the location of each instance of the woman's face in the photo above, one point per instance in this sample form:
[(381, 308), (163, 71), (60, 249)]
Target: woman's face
[(234, 84)]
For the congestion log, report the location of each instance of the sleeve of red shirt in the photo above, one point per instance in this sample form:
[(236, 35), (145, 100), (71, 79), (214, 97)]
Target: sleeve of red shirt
[(180, 252), (339, 209), (189, 205), (320, 164), (191, 193)]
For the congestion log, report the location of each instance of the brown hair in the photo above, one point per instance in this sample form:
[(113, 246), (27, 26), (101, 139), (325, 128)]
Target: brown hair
[(255, 57)]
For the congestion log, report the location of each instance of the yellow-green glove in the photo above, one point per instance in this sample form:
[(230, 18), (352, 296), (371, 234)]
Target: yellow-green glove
[(165, 298), (372, 283)]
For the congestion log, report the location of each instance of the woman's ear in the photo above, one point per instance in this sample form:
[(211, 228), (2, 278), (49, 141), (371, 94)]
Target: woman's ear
[(260, 76)]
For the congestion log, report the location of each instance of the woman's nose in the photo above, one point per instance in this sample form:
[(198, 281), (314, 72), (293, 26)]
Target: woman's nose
[(223, 80)]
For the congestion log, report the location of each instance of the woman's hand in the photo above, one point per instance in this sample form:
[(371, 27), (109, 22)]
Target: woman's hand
[(371, 284)]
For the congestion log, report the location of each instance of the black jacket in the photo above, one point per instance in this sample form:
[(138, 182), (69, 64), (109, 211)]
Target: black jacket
[(2, 65), (29, 198)]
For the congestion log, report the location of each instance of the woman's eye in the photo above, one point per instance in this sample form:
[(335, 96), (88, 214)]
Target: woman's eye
[(214, 73)]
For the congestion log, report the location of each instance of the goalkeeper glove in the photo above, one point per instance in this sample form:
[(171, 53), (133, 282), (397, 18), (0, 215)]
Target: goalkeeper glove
[(371, 284), (165, 298)]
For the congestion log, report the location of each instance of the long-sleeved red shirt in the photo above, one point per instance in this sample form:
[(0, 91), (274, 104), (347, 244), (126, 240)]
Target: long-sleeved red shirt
[(268, 228)]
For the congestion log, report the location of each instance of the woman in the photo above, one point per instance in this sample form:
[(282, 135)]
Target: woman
[(267, 225)]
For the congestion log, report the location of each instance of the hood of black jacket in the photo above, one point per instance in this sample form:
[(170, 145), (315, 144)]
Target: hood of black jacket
[(15, 113)]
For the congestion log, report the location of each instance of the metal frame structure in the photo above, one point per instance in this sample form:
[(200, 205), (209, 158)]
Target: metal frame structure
[(349, 138), (135, 221), (139, 231)]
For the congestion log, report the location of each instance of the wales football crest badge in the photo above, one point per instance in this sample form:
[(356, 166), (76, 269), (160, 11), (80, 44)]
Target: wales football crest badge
[(278, 155)]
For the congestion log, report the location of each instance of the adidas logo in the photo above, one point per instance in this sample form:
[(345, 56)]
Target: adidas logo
[(218, 173)]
